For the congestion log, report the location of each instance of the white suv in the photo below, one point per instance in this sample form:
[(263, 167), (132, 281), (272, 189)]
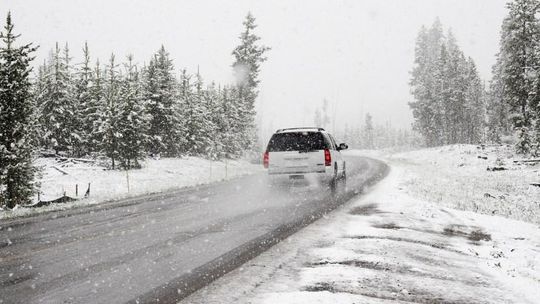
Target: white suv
[(302, 152)]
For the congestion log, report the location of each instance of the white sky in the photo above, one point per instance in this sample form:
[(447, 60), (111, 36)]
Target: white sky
[(357, 54)]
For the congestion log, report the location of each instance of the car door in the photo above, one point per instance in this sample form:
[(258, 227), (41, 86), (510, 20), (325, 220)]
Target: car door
[(337, 154)]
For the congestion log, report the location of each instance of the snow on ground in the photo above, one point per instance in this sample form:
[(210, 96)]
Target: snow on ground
[(395, 246), (157, 175), (457, 177)]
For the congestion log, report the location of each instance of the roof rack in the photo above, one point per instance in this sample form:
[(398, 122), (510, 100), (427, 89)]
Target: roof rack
[(300, 128)]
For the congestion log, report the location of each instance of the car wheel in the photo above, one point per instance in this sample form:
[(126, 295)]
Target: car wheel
[(334, 180)]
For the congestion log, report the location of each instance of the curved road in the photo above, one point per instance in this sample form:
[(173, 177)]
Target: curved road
[(159, 247)]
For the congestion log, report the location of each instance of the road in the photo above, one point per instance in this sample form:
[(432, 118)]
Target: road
[(159, 247)]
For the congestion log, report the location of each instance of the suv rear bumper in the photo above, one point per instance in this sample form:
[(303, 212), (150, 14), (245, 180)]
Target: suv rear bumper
[(292, 170), (296, 172), (323, 176)]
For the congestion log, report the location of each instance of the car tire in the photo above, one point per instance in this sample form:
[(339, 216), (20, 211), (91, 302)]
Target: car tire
[(334, 179)]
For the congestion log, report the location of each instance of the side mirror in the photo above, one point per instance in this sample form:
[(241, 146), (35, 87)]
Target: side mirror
[(343, 146)]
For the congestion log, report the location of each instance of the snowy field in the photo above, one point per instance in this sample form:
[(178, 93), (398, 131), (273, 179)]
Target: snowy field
[(403, 243), (457, 177), (157, 175)]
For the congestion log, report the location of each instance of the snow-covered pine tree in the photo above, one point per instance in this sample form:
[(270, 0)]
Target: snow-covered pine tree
[(94, 110), (74, 119), (85, 111), (161, 99), (16, 168), (39, 88), (322, 115), (58, 105), (325, 114), (211, 136), (232, 135), (357, 137), (439, 105), (132, 120), (448, 104), (475, 107), (519, 64), (109, 118), (188, 112), (317, 118), (220, 125), (497, 110), (195, 114), (347, 135), (248, 57), (369, 132), (454, 101), (425, 84)]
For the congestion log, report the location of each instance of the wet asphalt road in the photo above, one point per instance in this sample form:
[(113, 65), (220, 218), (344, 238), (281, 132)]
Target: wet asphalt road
[(160, 247)]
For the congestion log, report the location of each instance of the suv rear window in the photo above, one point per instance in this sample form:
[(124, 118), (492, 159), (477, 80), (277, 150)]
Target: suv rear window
[(296, 141)]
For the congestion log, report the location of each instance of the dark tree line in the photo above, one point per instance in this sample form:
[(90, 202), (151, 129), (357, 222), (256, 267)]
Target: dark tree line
[(449, 98), (118, 109)]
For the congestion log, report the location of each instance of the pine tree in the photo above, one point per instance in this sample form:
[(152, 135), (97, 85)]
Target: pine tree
[(497, 110), (248, 57), (93, 111), (325, 114), (85, 110), (455, 101), (519, 64), (16, 169), (317, 119), (211, 102), (322, 116), (109, 118), (132, 121), (58, 107), (72, 104), (219, 123), (441, 104), (475, 107), (39, 90), (231, 126), (369, 132), (426, 84), (160, 95), (195, 115), (449, 96)]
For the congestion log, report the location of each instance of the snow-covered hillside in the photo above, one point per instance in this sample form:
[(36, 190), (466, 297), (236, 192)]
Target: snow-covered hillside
[(157, 175)]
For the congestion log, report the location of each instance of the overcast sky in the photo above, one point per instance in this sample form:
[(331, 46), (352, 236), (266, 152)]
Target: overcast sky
[(357, 54)]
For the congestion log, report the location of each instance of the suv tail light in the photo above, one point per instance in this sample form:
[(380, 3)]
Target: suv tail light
[(266, 159), (327, 158)]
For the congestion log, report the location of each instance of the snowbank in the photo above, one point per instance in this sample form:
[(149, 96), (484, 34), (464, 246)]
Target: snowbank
[(155, 176)]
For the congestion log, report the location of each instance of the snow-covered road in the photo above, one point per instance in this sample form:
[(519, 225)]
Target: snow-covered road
[(161, 246), (389, 247)]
